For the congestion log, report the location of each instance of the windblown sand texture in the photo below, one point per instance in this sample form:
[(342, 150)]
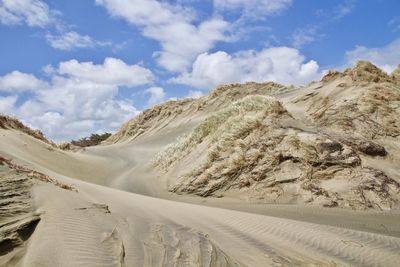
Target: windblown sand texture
[(255, 174)]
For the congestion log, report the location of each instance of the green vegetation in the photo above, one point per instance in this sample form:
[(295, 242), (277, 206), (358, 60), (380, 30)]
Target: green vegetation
[(237, 119), (92, 140)]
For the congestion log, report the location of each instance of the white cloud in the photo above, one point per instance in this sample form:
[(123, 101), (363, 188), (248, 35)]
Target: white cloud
[(82, 98), (34, 13), (72, 40), (173, 27), (157, 95), (194, 94), (7, 104), (16, 81), (112, 72), (344, 9), (279, 64), (304, 36), (254, 8), (386, 57)]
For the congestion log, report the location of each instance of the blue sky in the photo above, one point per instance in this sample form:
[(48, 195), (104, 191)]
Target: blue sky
[(71, 68)]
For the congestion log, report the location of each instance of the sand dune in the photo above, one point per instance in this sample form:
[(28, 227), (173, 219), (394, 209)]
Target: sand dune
[(315, 145), (98, 226), (110, 205)]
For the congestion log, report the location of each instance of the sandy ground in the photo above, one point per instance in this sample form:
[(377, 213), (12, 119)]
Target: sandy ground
[(144, 225)]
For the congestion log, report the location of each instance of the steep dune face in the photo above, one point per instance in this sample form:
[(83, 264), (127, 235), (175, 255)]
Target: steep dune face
[(362, 101), (18, 218), (7, 122), (266, 153)]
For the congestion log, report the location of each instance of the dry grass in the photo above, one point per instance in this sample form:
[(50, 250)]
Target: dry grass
[(373, 114), (246, 150), (237, 119), (218, 99), (7, 122), (365, 71), (269, 163)]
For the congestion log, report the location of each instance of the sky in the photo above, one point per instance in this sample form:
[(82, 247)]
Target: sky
[(72, 68)]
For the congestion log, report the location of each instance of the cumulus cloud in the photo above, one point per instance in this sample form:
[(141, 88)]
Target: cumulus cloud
[(34, 13), (278, 64), (7, 104), (254, 8), (157, 95), (81, 98), (173, 27), (386, 57), (112, 72), (71, 40), (17, 81), (195, 94)]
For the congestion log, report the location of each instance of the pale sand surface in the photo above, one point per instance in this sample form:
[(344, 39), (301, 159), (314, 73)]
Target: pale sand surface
[(101, 226), (116, 208)]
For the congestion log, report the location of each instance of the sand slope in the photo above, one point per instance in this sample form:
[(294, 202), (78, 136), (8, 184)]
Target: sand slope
[(99, 226), (109, 206), (317, 145)]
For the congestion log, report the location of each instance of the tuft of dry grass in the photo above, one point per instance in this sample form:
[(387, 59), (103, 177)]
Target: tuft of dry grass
[(8, 122), (365, 71), (221, 97), (237, 120)]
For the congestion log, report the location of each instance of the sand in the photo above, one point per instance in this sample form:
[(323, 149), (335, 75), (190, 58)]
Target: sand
[(102, 226), (108, 206)]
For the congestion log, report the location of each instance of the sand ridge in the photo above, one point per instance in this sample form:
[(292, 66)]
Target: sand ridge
[(120, 212)]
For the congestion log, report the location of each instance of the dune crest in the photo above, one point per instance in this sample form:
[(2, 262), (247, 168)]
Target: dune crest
[(7, 122)]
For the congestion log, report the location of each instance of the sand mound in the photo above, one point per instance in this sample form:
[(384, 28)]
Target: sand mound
[(246, 109), (352, 101), (362, 101), (180, 112), (252, 144), (256, 152), (225, 94), (256, 149), (7, 122), (365, 71)]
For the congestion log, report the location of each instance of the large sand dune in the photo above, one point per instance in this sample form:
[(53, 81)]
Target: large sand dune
[(113, 205)]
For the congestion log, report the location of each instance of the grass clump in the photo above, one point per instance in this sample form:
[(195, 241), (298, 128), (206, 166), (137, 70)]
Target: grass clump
[(92, 140), (238, 118), (8, 122)]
